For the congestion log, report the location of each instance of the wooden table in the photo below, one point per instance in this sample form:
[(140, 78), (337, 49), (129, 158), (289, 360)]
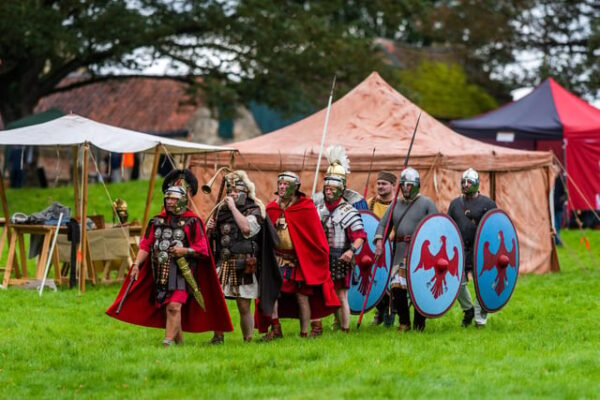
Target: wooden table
[(110, 249), (18, 237), (17, 257)]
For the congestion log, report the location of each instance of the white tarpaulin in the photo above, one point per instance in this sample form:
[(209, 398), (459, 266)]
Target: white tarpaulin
[(75, 130)]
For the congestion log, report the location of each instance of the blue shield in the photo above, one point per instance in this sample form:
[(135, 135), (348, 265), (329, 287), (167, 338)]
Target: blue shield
[(361, 275), (496, 260), (435, 265)]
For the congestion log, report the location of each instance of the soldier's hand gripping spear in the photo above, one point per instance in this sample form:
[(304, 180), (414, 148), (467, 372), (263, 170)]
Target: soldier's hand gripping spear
[(387, 223)]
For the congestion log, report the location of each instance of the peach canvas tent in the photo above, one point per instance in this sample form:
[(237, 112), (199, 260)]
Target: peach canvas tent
[(375, 116)]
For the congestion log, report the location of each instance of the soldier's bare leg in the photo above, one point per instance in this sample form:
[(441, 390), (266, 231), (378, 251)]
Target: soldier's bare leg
[(343, 312), (246, 320), (304, 307), (173, 329)]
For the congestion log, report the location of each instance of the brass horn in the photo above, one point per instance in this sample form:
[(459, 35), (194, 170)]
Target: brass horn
[(207, 187)]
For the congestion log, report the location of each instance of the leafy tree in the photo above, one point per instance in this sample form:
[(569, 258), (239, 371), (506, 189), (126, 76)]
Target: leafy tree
[(442, 90), (507, 44), (283, 53), (562, 38)]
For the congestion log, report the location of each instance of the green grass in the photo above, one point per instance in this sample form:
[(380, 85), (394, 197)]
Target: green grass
[(544, 344)]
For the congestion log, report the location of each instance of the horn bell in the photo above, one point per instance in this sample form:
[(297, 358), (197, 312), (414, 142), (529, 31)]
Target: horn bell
[(207, 187)]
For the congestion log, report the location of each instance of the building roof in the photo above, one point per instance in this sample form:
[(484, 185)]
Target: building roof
[(146, 104)]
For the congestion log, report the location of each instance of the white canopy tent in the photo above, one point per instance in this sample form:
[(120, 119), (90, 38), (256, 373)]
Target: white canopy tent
[(76, 131)]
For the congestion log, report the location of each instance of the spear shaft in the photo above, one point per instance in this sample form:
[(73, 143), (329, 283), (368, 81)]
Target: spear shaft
[(314, 188)]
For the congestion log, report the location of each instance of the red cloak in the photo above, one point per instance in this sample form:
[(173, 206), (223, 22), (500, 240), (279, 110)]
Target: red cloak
[(312, 249), (140, 309)]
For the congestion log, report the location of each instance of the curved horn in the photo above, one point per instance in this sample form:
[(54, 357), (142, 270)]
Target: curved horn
[(207, 187)]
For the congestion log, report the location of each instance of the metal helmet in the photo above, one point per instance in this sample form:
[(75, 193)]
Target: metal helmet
[(293, 183), (120, 207), (469, 182), (410, 182), (179, 193), (238, 181), (339, 167)]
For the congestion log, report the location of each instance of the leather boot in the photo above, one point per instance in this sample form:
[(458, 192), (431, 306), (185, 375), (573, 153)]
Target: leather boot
[(217, 339), (316, 328), (468, 317), (401, 303), (419, 321), (274, 333)]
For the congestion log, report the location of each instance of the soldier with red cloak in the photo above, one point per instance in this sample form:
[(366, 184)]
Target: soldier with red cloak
[(303, 258), (175, 283)]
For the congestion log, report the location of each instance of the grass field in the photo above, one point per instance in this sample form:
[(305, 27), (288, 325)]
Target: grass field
[(544, 344)]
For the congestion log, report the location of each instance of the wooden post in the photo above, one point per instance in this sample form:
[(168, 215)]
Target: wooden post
[(150, 188), (83, 244), (5, 206), (493, 185), (75, 155)]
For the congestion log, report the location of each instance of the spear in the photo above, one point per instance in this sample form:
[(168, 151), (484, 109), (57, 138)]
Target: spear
[(387, 223), (323, 137), (369, 174)]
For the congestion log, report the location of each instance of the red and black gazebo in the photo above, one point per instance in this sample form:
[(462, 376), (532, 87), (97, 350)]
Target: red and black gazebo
[(550, 117)]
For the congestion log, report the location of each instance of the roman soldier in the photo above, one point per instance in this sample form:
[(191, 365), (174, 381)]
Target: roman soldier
[(303, 258), (175, 283), (378, 204), (243, 248), (343, 228), (406, 215), (467, 210)]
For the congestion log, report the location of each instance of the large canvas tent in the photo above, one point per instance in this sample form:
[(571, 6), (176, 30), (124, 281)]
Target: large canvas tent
[(76, 131), (550, 117), (375, 116)]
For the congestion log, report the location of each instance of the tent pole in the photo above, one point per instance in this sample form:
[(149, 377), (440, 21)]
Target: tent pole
[(493, 185), (75, 151), (5, 206), (83, 243), (151, 188)]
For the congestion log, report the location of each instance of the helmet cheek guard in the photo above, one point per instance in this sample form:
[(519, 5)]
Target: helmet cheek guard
[(336, 184), (293, 181), (179, 193)]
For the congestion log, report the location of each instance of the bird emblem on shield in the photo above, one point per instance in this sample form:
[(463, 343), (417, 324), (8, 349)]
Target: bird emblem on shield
[(496, 260), (367, 269), (435, 265)]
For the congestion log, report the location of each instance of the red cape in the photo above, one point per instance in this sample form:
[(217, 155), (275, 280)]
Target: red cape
[(138, 309), (312, 249)]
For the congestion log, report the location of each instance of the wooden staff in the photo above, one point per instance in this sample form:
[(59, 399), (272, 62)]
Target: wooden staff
[(314, 188)]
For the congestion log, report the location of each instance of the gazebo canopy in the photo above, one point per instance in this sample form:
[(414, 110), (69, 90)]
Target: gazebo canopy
[(75, 130)]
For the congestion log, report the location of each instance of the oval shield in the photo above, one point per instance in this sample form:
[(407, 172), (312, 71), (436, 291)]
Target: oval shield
[(435, 265), (361, 275), (496, 260)]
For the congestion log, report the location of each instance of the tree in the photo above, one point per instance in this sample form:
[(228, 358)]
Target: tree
[(508, 44), (282, 53), (442, 90), (561, 39)]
